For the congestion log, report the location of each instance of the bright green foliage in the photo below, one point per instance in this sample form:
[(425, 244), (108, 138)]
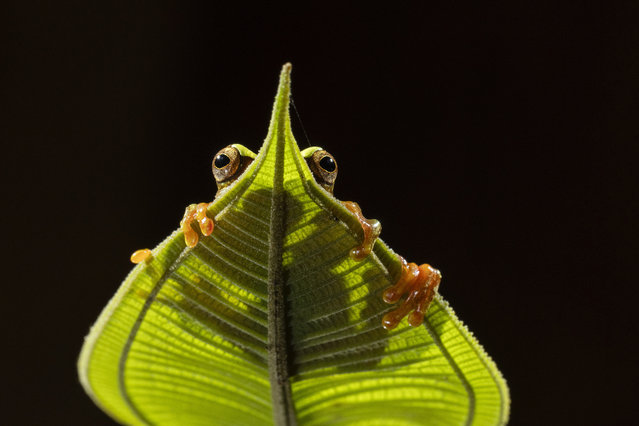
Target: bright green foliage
[(195, 336)]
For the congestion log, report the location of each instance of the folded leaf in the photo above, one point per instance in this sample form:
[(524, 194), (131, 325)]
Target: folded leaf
[(269, 320)]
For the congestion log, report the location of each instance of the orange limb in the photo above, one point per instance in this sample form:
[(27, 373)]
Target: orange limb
[(141, 255), (196, 212), (420, 283), (371, 227)]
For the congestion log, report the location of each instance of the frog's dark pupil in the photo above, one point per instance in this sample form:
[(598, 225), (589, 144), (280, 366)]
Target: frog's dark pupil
[(327, 163), (222, 160)]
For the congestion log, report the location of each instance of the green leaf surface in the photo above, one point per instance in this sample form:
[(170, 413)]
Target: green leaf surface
[(269, 320)]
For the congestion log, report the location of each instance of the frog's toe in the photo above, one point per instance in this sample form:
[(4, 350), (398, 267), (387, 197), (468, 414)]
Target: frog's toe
[(196, 212), (420, 283)]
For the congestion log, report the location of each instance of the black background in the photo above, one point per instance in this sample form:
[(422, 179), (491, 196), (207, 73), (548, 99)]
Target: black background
[(495, 141)]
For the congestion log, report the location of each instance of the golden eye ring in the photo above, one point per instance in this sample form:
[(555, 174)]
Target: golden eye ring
[(324, 168), (226, 163)]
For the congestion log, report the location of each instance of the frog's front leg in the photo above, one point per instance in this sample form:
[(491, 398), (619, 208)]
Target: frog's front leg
[(196, 212), (420, 283), (371, 228)]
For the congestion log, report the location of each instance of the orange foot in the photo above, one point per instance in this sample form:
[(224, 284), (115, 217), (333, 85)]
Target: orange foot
[(141, 255), (371, 227), (196, 212), (420, 283)]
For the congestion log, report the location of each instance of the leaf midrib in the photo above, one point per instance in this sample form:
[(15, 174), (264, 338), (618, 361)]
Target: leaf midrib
[(278, 350)]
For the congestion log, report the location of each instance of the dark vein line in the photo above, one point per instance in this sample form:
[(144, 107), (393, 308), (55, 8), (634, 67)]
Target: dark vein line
[(312, 372), (229, 290), (233, 250), (253, 291), (244, 353), (223, 290), (239, 268), (462, 378), (283, 407), (381, 387), (243, 406), (251, 216), (134, 330), (240, 327), (229, 221), (198, 359), (237, 241), (312, 291), (190, 377), (245, 346), (359, 351), (323, 246), (481, 357), (313, 312)]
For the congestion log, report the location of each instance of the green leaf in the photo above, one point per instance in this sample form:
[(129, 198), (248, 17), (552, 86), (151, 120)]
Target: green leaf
[(269, 320)]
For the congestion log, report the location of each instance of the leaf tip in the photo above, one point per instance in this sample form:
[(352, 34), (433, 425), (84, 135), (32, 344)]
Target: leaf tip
[(285, 76)]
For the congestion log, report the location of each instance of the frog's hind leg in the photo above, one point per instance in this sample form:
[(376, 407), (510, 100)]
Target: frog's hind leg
[(420, 283)]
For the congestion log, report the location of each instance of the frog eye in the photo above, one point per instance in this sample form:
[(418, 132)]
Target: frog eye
[(324, 168), (226, 164)]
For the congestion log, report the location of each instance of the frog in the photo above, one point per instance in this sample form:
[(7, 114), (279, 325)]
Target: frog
[(419, 283)]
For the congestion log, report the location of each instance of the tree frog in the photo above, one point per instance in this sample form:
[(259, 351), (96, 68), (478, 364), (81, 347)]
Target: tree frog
[(419, 283)]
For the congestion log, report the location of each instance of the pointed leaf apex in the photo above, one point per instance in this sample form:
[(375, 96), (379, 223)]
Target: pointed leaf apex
[(284, 89), (280, 115)]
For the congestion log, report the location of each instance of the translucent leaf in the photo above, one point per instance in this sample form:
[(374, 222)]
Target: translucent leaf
[(269, 320)]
